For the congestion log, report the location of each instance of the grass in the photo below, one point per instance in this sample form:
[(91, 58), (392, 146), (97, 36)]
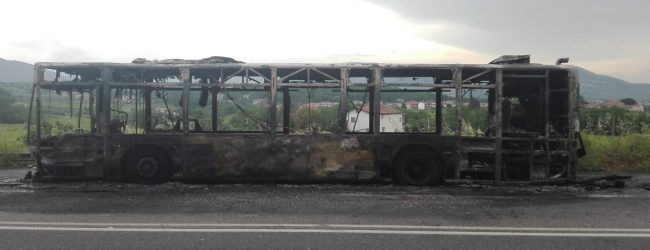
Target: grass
[(11, 138), (615, 154), (11, 141)]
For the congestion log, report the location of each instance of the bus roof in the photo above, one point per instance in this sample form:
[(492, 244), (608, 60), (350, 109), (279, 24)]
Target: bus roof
[(71, 65)]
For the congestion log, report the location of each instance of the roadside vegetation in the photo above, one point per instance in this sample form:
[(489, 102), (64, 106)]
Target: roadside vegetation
[(625, 153), (616, 140), (11, 142)]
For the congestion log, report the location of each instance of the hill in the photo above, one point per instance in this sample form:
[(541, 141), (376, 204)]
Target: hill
[(593, 86), (601, 87), (15, 71)]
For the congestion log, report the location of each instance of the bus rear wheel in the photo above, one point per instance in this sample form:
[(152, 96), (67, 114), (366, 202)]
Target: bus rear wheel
[(148, 167), (418, 167)]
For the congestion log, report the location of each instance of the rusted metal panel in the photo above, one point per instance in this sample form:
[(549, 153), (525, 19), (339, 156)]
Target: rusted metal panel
[(286, 115), (438, 111), (273, 100), (574, 123), (377, 79), (186, 79), (71, 65), (547, 123), (498, 154), (458, 120), (290, 157), (73, 153), (106, 75), (343, 100)]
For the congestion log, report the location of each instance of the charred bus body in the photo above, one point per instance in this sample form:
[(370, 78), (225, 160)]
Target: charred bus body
[(529, 112)]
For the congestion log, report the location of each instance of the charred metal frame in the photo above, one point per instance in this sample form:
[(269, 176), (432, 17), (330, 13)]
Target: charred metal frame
[(556, 149)]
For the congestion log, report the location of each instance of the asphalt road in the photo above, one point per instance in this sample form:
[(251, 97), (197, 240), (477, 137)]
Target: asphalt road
[(99, 215)]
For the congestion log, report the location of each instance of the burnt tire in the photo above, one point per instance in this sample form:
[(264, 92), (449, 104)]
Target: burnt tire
[(148, 166), (418, 167)]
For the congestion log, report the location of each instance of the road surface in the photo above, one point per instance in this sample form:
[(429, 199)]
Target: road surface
[(100, 215)]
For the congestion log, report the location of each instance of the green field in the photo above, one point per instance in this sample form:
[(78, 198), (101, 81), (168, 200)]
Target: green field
[(11, 141), (12, 138), (626, 153)]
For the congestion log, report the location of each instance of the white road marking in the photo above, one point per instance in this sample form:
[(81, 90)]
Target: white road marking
[(615, 196), (323, 228), (156, 224), (336, 231)]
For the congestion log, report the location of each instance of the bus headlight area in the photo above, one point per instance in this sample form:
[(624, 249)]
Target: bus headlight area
[(224, 120)]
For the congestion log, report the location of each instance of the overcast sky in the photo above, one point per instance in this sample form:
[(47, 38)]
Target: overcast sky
[(608, 37)]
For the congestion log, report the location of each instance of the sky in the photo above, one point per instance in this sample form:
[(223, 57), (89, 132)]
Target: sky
[(607, 37)]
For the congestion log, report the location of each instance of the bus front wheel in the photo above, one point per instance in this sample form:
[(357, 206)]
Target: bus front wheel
[(148, 166), (418, 167)]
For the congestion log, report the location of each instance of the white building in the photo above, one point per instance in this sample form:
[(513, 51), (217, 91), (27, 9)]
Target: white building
[(390, 120), (420, 105)]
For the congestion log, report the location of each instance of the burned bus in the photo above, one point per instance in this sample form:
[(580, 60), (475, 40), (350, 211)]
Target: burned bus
[(224, 120)]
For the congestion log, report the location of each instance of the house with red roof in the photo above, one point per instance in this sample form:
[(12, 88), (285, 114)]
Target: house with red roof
[(391, 120)]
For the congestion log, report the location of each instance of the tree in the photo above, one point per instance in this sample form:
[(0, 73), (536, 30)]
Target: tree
[(6, 98), (9, 111), (628, 101)]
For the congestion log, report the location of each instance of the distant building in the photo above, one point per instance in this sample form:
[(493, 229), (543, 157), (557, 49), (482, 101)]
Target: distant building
[(635, 107), (318, 105), (394, 104), (450, 103), (590, 105), (420, 105), (613, 104), (260, 101), (390, 120), (411, 105)]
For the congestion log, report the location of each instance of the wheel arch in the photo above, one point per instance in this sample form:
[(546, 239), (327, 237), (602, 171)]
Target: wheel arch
[(408, 147), (144, 147)]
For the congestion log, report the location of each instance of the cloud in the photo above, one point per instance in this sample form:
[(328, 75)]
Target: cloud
[(586, 30), (267, 31), (407, 31), (47, 50)]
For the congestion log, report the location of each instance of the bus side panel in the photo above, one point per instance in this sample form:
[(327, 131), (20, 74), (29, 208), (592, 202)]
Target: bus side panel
[(73, 155), (290, 157), (328, 157), (210, 156)]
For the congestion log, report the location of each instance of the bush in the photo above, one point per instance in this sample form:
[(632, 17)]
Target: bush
[(13, 114), (12, 141), (614, 121), (10, 112), (627, 153)]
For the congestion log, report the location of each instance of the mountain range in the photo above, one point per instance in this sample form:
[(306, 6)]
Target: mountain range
[(602, 87), (592, 86)]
